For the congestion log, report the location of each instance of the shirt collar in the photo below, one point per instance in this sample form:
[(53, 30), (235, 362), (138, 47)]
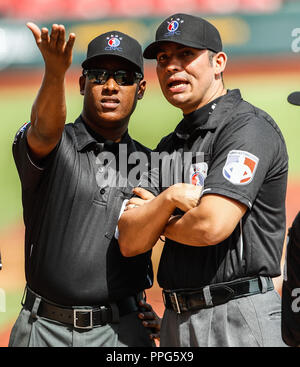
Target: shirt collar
[(86, 136), (207, 117)]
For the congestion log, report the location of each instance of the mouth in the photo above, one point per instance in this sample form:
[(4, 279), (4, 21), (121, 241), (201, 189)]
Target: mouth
[(177, 85), (110, 103)]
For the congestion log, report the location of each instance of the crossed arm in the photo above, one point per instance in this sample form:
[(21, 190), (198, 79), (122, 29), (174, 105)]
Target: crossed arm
[(206, 222)]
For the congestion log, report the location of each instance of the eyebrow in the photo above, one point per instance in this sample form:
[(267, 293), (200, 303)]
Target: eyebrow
[(179, 47)]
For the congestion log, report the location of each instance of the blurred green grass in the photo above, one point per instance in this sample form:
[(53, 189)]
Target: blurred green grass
[(153, 119)]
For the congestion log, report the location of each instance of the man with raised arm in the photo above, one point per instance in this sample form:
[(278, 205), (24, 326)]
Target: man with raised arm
[(80, 290)]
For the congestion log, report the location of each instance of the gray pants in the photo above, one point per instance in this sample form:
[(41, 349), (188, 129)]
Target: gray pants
[(29, 331), (253, 321)]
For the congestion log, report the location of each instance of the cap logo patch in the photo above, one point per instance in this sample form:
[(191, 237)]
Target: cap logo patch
[(113, 43), (240, 167), (173, 26)]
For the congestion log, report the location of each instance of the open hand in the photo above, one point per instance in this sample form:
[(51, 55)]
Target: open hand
[(56, 51)]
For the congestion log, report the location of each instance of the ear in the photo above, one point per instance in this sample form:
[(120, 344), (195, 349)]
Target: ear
[(141, 89), (82, 84), (220, 61)]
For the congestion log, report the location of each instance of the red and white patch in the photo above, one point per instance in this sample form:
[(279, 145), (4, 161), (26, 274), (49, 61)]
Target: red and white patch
[(240, 167), (198, 173)]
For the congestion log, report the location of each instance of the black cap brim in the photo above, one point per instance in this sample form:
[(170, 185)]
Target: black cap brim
[(86, 62), (294, 98), (150, 51)]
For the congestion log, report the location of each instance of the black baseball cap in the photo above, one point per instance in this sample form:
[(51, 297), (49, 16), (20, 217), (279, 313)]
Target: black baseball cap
[(115, 43), (294, 98), (187, 30)]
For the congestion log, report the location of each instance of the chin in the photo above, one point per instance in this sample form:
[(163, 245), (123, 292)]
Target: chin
[(110, 122), (111, 119), (180, 102)]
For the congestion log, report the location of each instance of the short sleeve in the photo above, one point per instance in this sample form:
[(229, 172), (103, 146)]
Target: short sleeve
[(30, 172), (247, 152)]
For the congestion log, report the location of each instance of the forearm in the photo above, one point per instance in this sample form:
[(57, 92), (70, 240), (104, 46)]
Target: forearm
[(48, 114), (210, 223), (189, 230), (141, 227)]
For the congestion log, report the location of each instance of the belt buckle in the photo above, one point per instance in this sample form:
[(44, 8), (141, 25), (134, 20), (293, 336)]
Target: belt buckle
[(177, 308), (75, 318)]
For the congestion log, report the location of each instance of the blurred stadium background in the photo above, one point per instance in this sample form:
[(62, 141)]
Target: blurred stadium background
[(261, 37)]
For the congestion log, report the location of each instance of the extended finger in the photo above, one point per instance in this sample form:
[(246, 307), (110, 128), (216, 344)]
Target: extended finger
[(45, 35), (142, 193), (54, 35), (35, 31), (61, 37), (70, 43)]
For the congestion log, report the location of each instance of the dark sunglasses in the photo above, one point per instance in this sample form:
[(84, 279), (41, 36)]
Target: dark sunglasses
[(121, 77)]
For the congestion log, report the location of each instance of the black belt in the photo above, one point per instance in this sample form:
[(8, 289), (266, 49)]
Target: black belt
[(182, 300), (81, 318)]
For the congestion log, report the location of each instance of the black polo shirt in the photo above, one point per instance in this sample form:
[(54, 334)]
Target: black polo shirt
[(70, 210), (245, 159), (291, 287)]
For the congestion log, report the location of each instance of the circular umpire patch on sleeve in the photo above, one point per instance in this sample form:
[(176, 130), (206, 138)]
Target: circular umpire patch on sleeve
[(198, 173), (240, 167)]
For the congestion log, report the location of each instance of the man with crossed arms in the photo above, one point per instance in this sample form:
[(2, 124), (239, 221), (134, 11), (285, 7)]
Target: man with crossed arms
[(220, 254)]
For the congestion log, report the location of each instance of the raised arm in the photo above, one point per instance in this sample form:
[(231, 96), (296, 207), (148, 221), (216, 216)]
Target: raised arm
[(48, 112)]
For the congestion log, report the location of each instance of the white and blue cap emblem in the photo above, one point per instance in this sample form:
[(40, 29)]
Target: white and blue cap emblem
[(173, 26), (186, 30), (113, 42)]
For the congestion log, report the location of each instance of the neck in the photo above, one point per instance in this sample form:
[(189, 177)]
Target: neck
[(221, 91), (107, 132)]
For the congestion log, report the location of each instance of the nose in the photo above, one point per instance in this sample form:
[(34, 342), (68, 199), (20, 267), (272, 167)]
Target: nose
[(111, 86), (173, 65)]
